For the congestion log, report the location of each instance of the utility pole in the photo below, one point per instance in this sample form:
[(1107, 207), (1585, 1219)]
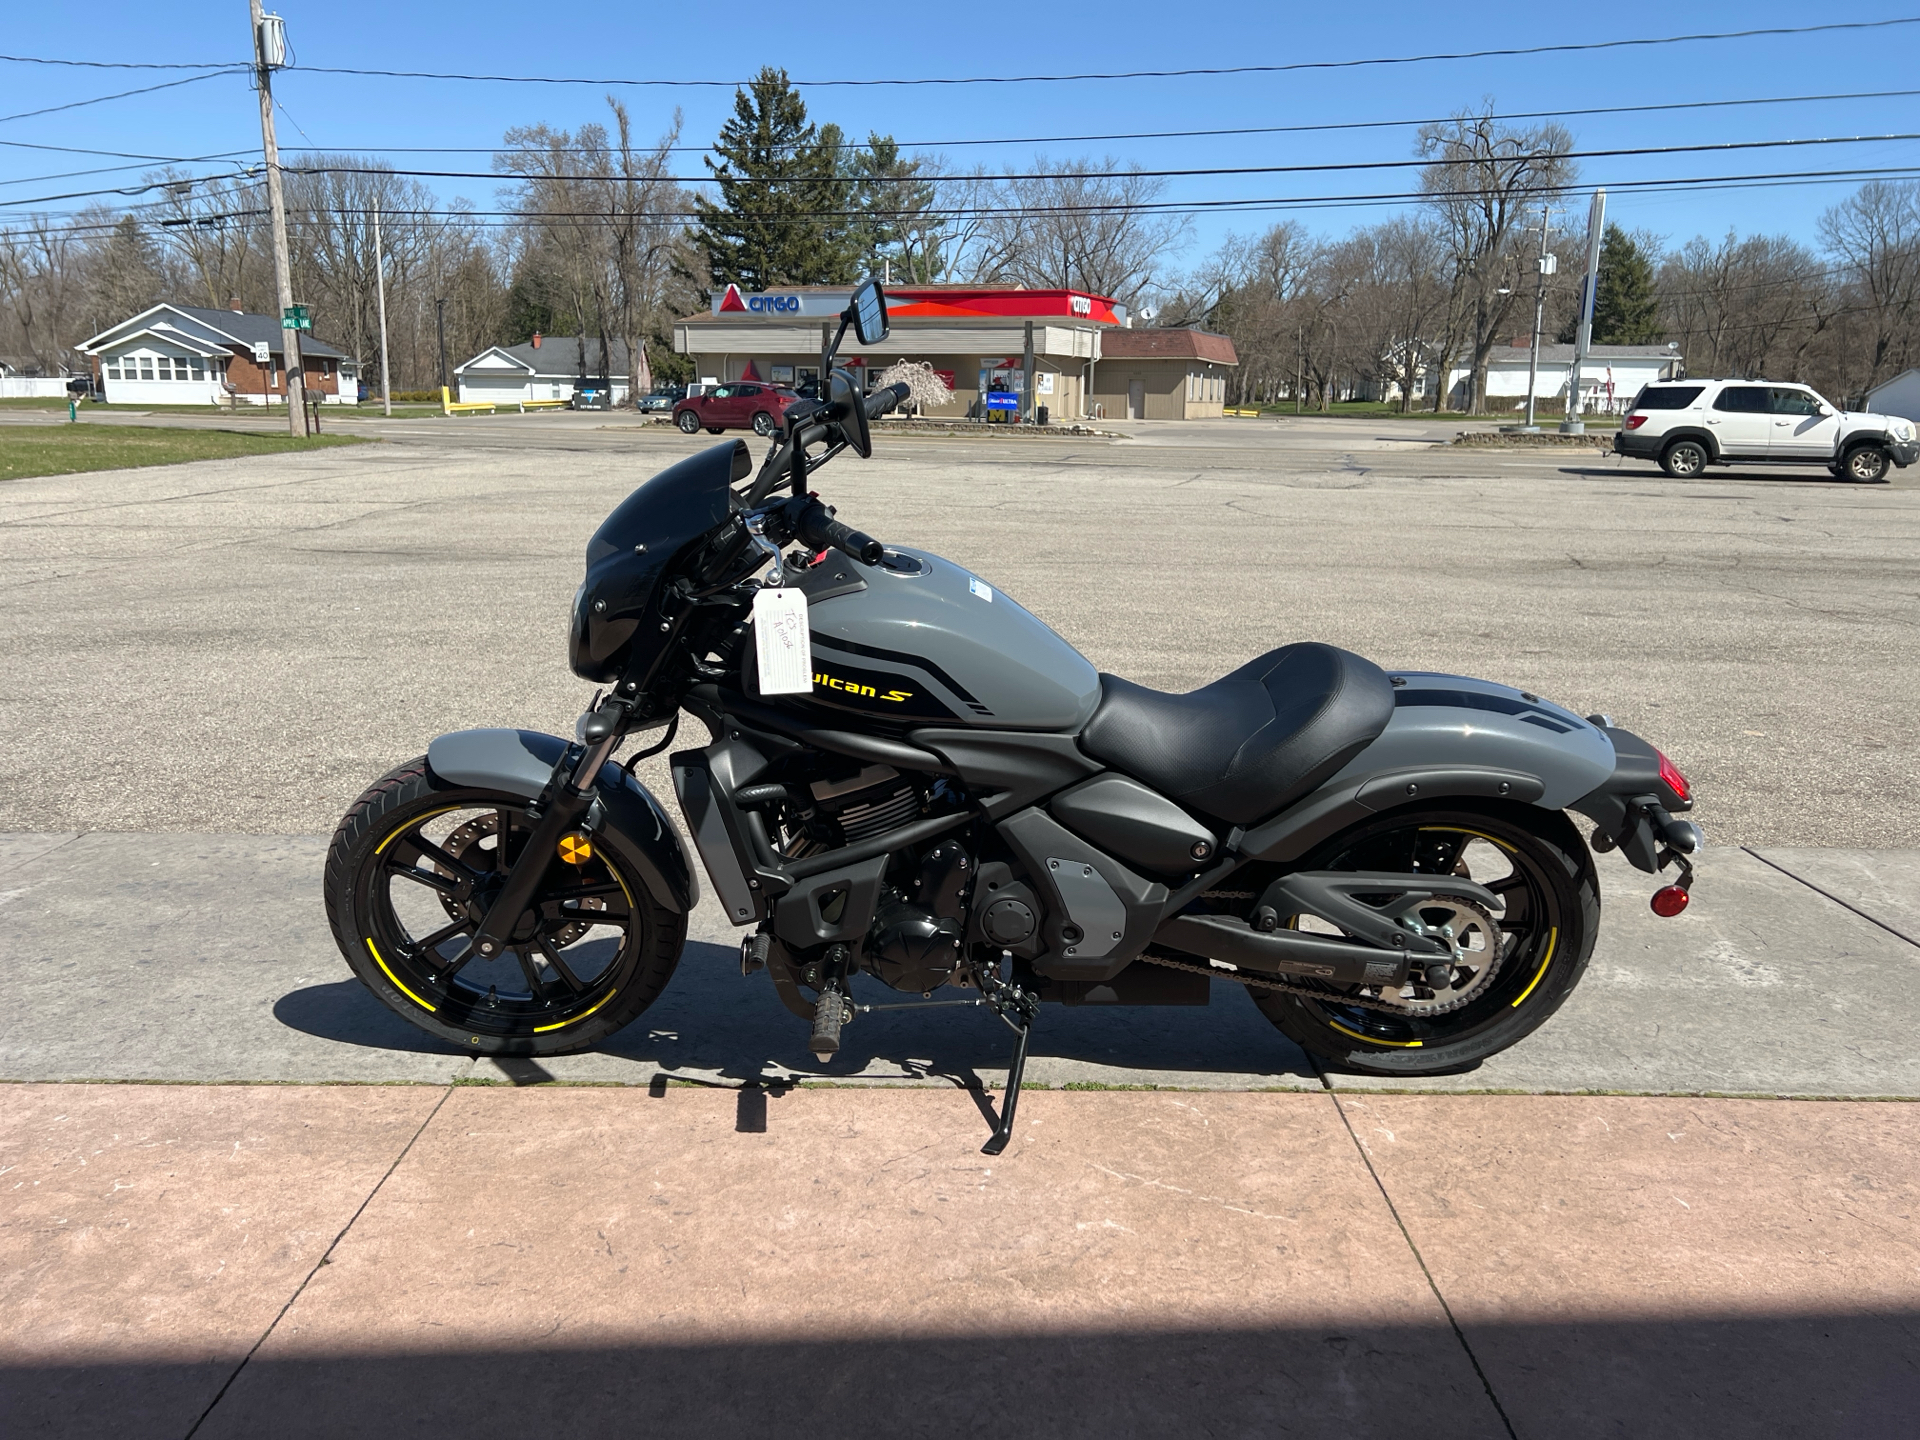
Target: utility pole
[(380, 289), (440, 309), (269, 54), (1299, 364), (1575, 423), (1539, 313)]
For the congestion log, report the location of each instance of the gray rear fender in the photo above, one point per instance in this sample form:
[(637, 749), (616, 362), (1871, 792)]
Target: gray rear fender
[(1450, 738), (624, 813)]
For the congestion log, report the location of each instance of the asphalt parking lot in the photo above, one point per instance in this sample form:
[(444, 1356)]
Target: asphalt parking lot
[(241, 647)]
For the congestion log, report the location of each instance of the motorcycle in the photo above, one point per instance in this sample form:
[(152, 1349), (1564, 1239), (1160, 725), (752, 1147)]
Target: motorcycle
[(910, 777)]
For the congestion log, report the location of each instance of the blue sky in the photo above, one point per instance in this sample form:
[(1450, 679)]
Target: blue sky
[(363, 114)]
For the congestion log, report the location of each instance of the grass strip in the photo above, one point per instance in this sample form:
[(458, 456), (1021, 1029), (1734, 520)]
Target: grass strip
[(69, 449)]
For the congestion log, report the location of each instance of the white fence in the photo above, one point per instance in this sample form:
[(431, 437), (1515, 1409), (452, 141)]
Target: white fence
[(33, 387)]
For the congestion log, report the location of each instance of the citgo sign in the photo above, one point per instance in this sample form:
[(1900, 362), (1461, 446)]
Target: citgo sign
[(759, 304)]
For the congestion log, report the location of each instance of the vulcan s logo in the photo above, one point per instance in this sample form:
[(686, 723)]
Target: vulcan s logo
[(759, 304), (854, 687)]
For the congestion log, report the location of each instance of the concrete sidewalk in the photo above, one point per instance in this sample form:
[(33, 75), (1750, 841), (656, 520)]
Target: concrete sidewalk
[(174, 957), (345, 1261)]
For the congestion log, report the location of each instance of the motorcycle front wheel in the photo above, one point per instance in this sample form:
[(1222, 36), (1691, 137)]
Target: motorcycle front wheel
[(1515, 976), (411, 871)]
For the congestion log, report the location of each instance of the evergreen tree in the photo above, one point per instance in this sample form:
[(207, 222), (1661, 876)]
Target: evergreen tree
[(1626, 311), (784, 195), (892, 200)]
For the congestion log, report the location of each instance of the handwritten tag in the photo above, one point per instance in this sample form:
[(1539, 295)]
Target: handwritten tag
[(782, 643)]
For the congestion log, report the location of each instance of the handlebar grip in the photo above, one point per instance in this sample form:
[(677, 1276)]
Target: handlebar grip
[(822, 531), (881, 401)]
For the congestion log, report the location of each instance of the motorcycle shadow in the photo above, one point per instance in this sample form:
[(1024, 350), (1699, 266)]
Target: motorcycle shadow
[(712, 1026)]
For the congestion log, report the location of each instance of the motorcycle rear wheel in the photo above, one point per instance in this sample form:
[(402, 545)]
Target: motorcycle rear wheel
[(409, 874), (1537, 863)]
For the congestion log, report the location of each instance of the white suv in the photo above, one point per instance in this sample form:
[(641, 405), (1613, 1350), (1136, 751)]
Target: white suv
[(1689, 424)]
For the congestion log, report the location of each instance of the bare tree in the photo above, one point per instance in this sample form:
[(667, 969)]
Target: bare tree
[(1074, 225), (1486, 182), (1875, 235)]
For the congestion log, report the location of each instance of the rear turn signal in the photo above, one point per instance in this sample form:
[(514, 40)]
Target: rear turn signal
[(1634, 422), (1673, 779), (1669, 902)]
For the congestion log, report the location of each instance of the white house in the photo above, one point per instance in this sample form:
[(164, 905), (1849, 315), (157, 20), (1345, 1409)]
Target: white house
[(545, 368), (1610, 376), (1898, 396), (191, 355)]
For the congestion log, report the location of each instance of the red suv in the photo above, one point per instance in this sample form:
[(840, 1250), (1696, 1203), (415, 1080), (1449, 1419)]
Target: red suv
[(743, 404)]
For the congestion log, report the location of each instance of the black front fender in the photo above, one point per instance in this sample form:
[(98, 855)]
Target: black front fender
[(624, 813)]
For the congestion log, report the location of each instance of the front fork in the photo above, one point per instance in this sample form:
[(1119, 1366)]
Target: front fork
[(562, 805)]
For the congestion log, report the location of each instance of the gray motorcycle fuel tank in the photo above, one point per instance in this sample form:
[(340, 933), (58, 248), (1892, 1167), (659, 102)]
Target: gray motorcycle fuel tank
[(920, 640)]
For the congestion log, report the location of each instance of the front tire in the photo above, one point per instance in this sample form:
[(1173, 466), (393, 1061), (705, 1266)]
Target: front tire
[(1537, 863), (1684, 459), (409, 875), (1866, 464), (688, 422)]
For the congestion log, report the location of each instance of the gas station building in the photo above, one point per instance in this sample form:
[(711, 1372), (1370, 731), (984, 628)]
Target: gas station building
[(981, 340)]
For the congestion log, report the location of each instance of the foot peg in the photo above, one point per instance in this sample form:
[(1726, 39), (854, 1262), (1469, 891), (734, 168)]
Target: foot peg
[(829, 1014), (753, 953)]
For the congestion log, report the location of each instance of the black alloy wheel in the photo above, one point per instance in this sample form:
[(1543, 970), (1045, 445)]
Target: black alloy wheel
[(763, 424), (1866, 464), (688, 422), (1684, 459), (411, 873), (1515, 974)]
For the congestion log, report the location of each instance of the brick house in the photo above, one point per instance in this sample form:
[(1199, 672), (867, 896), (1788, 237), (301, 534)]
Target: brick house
[(191, 355)]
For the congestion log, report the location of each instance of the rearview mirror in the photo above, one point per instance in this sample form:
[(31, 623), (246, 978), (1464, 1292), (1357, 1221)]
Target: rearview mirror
[(850, 410), (870, 313)]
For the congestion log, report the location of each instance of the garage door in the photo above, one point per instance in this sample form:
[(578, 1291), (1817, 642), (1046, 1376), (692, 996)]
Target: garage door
[(500, 389)]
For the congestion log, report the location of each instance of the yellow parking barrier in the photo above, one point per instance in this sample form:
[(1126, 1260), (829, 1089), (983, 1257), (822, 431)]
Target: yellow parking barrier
[(463, 407)]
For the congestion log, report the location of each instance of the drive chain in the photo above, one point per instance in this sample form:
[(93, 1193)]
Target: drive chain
[(1284, 987)]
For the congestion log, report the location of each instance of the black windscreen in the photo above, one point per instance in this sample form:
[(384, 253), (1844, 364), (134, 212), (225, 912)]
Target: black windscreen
[(1668, 397)]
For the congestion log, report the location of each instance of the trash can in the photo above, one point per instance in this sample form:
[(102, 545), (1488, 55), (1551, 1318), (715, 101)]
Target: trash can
[(1040, 414)]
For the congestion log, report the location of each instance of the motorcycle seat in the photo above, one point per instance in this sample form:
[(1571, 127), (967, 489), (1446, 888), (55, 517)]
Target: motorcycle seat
[(1243, 747)]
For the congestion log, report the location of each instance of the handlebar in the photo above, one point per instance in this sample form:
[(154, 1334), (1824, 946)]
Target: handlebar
[(881, 401), (815, 526)]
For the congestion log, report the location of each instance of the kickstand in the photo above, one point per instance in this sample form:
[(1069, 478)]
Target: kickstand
[(1019, 1010)]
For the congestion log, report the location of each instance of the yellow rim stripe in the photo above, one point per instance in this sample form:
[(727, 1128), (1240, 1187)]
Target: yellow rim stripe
[(1552, 936), (1376, 1040), (395, 978), (562, 1024), (1462, 830), (417, 820)]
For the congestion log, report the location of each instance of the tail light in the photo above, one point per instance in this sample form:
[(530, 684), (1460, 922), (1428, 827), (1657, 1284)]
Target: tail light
[(1669, 902), (1673, 779), (1634, 422)]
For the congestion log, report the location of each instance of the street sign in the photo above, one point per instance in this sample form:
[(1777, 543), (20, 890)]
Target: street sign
[(262, 352), (295, 317)]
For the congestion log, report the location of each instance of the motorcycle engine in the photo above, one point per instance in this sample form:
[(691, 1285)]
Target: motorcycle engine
[(916, 940)]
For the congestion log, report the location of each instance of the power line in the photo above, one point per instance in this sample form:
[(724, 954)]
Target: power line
[(123, 94), (116, 64), (1204, 172), (1207, 71)]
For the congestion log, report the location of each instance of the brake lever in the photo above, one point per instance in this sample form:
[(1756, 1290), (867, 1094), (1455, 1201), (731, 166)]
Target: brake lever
[(757, 532)]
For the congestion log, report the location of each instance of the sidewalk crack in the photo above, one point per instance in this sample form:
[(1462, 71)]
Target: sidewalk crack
[(1421, 1261), (327, 1255), (1844, 905)]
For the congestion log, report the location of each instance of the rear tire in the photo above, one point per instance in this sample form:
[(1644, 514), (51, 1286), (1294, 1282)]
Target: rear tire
[(594, 950), (1866, 465), (763, 424), (715, 429), (1684, 459), (688, 422), (1548, 931)]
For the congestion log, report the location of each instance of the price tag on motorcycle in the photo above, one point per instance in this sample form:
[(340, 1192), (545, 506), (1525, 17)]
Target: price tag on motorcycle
[(782, 642)]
